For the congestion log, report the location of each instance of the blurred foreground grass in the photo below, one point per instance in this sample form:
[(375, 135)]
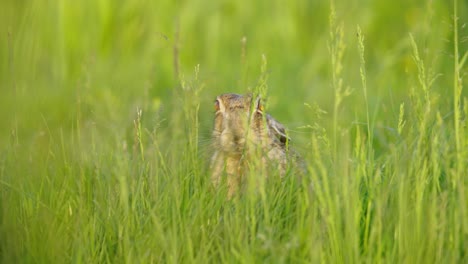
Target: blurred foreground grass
[(85, 178)]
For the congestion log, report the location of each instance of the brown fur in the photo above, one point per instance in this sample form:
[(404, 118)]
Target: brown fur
[(237, 134)]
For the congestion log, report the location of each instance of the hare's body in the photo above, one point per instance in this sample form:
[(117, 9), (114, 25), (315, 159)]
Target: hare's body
[(242, 130)]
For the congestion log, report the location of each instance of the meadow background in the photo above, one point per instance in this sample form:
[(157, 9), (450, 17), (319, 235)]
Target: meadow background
[(106, 110)]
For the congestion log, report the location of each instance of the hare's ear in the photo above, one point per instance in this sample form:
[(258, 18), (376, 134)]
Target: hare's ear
[(278, 130), (218, 105), (259, 105)]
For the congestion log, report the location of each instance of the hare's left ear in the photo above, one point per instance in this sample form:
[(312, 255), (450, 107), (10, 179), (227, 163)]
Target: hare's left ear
[(219, 106)]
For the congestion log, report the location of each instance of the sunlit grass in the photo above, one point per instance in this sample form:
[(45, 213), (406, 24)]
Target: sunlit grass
[(107, 113)]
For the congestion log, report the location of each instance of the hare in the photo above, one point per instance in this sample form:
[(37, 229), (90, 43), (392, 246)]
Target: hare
[(241, 127)]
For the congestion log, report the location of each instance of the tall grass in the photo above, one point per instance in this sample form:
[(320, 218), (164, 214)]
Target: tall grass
[(106, 118)]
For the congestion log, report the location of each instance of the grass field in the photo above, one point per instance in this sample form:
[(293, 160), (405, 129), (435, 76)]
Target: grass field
[(106, 113)]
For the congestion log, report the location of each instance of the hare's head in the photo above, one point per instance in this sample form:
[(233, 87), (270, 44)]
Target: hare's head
[(234, 124)]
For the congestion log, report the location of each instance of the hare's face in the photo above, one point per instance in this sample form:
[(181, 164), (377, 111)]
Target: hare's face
[(231, 121), (234, 124)]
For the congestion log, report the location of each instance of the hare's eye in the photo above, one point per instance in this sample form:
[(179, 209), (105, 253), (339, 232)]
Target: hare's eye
[(216, 105)]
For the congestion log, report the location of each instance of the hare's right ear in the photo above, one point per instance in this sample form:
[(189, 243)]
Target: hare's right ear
[(259, 105)]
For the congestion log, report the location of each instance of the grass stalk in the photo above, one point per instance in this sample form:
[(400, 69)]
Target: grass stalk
[(457, 91)]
